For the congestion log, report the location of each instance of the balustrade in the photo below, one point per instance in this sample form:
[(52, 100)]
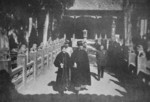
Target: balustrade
[(37, 62)]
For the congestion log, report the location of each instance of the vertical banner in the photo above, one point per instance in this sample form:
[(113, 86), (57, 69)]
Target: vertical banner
[(125, 30), (46, 29), (142, 28), (113, 32), (145, 26)]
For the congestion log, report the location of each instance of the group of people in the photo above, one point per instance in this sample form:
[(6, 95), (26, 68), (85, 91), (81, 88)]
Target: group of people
[(140, 48), (109, 54), (73, 65), (73, 69)]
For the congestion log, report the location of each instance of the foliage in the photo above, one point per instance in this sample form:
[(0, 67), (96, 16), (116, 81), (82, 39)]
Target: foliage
[(12, 11)]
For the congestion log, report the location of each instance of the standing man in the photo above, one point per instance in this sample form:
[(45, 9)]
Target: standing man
[(97, 45), (62, 62), (80, 68), (104, 43), (101, 61), (69, 50)]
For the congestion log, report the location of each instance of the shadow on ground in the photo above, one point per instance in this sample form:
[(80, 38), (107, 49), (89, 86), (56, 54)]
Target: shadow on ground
[(66, 98), (137, 91)]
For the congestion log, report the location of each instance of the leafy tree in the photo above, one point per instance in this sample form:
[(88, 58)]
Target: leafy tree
[(16, 13)]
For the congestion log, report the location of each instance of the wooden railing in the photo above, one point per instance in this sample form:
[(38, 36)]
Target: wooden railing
[(38, 61)]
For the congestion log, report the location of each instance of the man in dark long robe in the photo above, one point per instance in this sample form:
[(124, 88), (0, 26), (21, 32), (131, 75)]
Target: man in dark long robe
[(80, 67), (62, 61)]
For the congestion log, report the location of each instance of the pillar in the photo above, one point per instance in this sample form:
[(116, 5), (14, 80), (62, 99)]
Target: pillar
[(96, 37), (22, 61), (45, 31), (113, 29), (64, 36)]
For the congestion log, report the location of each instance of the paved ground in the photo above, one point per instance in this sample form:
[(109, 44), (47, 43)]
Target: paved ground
[(116, 86), (105, 86)]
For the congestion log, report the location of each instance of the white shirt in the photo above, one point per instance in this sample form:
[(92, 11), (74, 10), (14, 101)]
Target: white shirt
[(69, 50)]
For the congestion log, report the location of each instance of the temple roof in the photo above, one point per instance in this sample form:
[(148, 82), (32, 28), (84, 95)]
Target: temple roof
[(97, 5)]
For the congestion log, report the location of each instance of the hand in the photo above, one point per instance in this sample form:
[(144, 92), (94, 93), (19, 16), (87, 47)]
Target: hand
[(61, 65)]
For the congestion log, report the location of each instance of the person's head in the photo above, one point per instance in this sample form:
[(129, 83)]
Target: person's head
[(67, 43), (80, 44), (101, 47), (23, 47), (63, 49), (34, 46), (144, 37)]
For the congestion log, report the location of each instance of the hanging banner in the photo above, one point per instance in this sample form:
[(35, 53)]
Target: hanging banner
[(142, 28)]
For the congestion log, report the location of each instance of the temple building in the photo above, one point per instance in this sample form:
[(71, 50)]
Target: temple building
[(99, 17), (125, 18)]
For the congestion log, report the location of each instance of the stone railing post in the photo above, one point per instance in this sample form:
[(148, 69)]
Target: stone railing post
[(42, 56), (22, 61), (35, 64), (50, 55), (64, 36)]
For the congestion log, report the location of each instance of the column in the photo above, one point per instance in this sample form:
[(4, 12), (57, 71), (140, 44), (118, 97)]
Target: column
[(113, 29)]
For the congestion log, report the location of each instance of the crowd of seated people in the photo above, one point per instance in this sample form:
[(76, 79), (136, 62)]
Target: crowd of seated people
[(142, 54)]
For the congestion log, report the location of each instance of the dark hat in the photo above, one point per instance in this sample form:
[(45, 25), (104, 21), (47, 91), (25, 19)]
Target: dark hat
[(96, 40), (67, 42), (79, 43)]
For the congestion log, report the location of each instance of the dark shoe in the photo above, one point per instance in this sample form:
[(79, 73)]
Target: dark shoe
[(83, 88), (76, 92), (56, 72), (52, 83)]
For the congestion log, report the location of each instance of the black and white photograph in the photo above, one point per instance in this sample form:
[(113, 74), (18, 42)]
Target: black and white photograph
[(74, 50)]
